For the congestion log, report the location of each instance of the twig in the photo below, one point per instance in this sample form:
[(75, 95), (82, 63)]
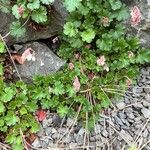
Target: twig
[(11, 57)]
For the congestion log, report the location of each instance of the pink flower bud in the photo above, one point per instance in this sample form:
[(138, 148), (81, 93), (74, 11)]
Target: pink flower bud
[(135, 16), (128, 82), (71, 66), (76, 84), (130, 55), (20, 10), (101, 61)]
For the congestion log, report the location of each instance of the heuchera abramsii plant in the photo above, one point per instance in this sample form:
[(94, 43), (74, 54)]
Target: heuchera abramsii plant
[(102, 63)]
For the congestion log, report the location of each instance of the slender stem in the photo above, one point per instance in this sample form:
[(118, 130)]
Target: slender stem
[(11, 57)]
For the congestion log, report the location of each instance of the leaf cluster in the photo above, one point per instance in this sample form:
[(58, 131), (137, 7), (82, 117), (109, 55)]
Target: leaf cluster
[(22, 10)]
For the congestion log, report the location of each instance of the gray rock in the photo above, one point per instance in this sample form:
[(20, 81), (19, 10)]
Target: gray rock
[(37, 143), (141, 30), (97, 128), (70, 122), (55, 24), (130, 115), (45, 143), (120, 105), (146, 104), (46, 62), (55, 136), (72, 145), (66, 139), (54, 130), (145, 133), (79, 140), (57, 120), (48, 131), (105, 133), (81, 132), (147, 90), (146, 112), (92, 139), (147, 97), (126, 135), (118, 120)]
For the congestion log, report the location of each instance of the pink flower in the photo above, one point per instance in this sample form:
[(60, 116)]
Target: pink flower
[(130, 55), (105, 21), (77, 55), (55, 40), (101, 61), (135, 16), (76, 84), (128, 82), (20, 10), (71, 66)]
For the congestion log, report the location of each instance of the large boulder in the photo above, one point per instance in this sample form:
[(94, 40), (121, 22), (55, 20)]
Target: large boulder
[(55, 24), (46, 62), (142, 30)]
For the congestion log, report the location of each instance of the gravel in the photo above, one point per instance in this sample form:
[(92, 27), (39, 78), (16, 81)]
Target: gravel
[(117, 128)]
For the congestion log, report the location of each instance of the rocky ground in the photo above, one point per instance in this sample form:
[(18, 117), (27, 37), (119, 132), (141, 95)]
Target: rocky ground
[(126, 125)]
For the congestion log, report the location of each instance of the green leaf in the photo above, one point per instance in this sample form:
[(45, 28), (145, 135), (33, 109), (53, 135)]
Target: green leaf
[(143, 56), (15, 11), (71, 5), (17, 30), (47, 2), (17, 147), (104, 45), (122, 14), (71, 91), (11, 118), (31, 106), (1, 70), (8, 94), (59, 88), (63, 110), (2, 47), (88, 35), (69, 29), (1, 122), (34, 127), (34, 4), (39, 15), (23, 111), (115, 4), (11, 138), (2, 107)]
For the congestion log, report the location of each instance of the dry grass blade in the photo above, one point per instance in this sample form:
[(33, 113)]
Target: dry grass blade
[(62, 124), (4, 146), (135, 142), (75, 120)]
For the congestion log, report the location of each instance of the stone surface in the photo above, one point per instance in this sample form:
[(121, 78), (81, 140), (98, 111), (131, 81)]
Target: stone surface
[(36, 143), (55, 24), (46, 62), (143, 29), (146, 112)]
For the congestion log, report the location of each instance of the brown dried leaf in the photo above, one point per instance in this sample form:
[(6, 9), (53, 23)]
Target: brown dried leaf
[(22, 58), (76, 84)]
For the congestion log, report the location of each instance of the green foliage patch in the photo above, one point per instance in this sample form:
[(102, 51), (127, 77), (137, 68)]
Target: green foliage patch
[(102, 63), (35, 10)]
